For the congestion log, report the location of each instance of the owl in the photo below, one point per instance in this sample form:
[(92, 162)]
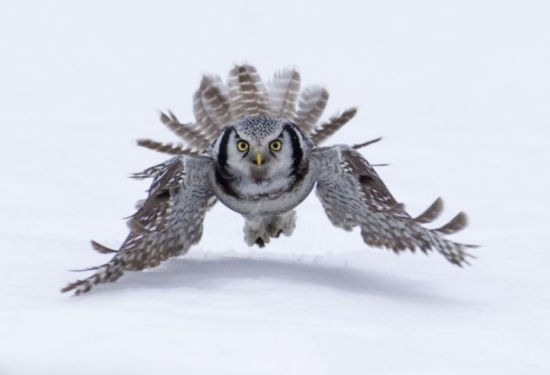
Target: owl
[(256, 148)]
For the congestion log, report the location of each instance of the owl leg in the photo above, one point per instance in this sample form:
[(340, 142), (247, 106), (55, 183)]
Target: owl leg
[(259, 231), (255, 232), (284, 223)]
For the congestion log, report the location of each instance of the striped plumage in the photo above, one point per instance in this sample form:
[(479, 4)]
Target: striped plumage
[(216, 104), (255, 147)]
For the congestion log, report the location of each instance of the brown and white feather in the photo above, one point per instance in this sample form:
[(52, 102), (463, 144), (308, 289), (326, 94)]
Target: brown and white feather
[(326, 129), (247, 93), (167, 148), (311, 104), (166, 224), (431, 213), (283, 90), (211, 107), (353, 195), (188, 132), (215, 97)]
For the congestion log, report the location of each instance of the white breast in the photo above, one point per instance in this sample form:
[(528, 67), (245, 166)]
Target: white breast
[(272, 203)]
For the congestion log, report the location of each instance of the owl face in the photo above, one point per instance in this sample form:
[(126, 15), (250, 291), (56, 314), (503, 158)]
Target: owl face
[(260, 151)]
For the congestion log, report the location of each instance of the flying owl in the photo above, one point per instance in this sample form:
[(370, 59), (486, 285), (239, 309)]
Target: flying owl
[(255, 147)]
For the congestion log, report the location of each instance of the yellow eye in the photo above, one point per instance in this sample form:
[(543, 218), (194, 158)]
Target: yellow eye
[(276, 145), (242, 146)]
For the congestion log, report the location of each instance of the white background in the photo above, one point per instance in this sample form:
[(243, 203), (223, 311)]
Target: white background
[(461, 92)]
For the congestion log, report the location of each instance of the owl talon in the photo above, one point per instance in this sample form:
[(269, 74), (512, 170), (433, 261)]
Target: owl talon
[(259, 232), (282, 224)]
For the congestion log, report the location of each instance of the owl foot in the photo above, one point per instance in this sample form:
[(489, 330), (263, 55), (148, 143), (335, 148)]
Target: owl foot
[(259, 232), (282, 224), (255, 233)]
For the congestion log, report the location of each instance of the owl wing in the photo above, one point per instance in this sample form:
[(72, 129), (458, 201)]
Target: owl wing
[(166, 223), (353, 194)]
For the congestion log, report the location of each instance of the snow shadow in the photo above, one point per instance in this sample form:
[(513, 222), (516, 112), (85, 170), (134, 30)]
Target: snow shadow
[(223, 272)]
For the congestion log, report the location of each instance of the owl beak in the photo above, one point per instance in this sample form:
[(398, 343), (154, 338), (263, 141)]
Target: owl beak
[(259, 159)]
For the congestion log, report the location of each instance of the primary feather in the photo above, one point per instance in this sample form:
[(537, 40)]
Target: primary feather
[(166, 224), (353, 195)]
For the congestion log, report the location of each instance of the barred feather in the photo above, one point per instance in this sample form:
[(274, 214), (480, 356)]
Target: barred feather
[(154, 214), (247, 93), (166, 224), (170, 219), (109, 272), (214, 94), (153, 171), (101, 248), (311, 105), (187, 132), (353, 195), (167, 148), (283, 92), (326, 129), (211, 107), (431, 212), (458, 223)]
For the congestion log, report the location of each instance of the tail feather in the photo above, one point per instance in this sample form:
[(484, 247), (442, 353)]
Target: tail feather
[(214, 94), (311, 105), (187, 132), (326, 129), (211, 107), (167, 148), (283, 92), (247, 93)]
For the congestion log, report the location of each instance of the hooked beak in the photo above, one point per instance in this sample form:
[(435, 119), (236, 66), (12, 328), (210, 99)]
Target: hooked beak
[(259, 159)]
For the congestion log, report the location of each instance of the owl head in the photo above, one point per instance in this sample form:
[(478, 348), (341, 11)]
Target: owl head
[(261, 149)]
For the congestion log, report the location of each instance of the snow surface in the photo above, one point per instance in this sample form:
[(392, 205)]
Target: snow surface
[(461, 93)]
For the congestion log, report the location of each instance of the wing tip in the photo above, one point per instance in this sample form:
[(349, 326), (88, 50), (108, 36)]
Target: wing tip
[(456, 224), (431, 213), (367, 143), (101, 248)]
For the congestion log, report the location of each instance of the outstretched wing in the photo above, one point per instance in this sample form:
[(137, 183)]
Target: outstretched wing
[(166, 224), (353, 195)]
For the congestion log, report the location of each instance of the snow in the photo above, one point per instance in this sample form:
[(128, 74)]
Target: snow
[(460, 91)]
